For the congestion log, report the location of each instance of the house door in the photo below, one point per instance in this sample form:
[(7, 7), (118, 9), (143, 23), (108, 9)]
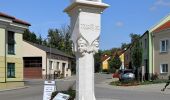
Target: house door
[(63, 69), (146, 70)]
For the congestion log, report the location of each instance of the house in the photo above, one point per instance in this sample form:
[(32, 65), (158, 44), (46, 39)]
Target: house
[(146, 60), (45, 62), (121, 56), (127, 58), (11, 63), (161, 47), (105, 64)]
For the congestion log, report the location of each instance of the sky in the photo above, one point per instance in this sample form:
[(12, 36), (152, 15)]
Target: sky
[(118, 21)]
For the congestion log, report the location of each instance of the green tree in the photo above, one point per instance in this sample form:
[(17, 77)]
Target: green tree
[(137, 57), (125, 45), (134, 37), (97, 60), (29, 36), (115, 63), (40, 40)]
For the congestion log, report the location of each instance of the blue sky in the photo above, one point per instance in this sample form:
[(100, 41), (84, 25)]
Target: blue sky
[(118, 21)]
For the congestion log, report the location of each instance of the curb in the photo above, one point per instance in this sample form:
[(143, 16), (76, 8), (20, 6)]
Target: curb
[(3, 90)]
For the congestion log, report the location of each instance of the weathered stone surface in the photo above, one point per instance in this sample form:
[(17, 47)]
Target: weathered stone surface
[(85, 27)]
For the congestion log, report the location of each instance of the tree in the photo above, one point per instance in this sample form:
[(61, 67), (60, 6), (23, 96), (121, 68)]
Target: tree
[(137, 57), (65, 31), (115, 63), (97, 60), (134, 37), (125, 45), (29, 36), (40, 40)]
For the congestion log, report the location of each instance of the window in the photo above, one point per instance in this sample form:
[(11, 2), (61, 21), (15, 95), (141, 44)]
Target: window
[(163, 45), (11, 70), (164, 68), (58, 65), (11, 42), (50, 65)]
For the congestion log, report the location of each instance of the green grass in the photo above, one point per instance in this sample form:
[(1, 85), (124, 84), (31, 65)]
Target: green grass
[(134, 83)]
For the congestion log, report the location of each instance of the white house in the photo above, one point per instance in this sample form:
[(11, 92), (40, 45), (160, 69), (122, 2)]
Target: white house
[(43, 62)]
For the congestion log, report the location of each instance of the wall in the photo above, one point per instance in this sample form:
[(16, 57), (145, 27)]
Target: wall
[(61, 60), (32, 51), (161, 58), (2, 54)]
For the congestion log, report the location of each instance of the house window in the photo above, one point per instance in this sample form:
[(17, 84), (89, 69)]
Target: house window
[(50, 65), (11, 42), (58, 65), (163, 45), (11, 70), (164, 68)]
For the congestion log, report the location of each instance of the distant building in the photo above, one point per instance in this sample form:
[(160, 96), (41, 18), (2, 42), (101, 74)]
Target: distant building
[(44, 62), (11, 63), (105, 64), (121, 56), (146, 67), (127, 58)]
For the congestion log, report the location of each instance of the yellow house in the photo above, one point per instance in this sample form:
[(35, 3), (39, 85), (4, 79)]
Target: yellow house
[(122, 60), (11, 63), (105, 64)]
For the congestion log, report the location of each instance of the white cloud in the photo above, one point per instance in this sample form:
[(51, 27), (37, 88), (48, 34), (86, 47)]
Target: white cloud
[(119, 24), (160, 3), (153, 8)]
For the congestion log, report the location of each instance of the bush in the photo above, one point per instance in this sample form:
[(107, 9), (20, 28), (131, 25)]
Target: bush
[(155, 76), (125, 83)]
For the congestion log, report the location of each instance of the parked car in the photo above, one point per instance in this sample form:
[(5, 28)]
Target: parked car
[(126, 75)]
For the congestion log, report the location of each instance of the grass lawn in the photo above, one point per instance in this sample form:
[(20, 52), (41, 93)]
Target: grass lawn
[(135, 83)]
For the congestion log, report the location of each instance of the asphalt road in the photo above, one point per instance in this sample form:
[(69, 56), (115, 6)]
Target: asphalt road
[(102, 91)]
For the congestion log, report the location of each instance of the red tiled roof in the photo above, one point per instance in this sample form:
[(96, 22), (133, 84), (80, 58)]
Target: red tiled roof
[(21, 22), (6, 16), (104, 57), (163, 27), (14, 19)]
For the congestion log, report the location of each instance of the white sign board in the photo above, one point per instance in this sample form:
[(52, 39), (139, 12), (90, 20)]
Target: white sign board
[(49, 88), (61, 96)]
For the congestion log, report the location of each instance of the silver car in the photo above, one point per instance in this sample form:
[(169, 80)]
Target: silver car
[(127, 75)]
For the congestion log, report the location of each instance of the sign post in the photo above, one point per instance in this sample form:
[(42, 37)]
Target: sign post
[(49, 88)]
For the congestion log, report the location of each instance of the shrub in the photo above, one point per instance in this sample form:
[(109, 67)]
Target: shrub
[(155, 76)]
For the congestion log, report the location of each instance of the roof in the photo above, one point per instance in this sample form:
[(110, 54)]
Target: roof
[(14, 19), (53, 50), (160, 23), (163, 27), (105, 57)]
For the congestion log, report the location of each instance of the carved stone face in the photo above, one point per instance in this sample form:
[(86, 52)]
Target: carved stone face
[(82, 45), (96, 45)]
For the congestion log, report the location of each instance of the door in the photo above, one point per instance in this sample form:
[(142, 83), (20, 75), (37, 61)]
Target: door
[(63, 69)]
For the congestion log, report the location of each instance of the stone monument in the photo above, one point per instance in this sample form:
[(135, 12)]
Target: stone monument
[(85, 27)]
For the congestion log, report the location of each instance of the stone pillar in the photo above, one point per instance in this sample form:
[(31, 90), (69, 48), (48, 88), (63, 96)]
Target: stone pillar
[(85, 27)]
